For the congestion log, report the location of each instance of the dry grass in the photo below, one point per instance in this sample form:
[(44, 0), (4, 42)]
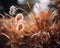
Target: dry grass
[(29, 32)]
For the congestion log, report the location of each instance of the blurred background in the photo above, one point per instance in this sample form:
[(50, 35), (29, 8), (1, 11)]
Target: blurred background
[(5, 4)]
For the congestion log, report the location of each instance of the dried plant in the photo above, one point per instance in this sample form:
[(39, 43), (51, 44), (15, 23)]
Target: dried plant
[(30, 32)]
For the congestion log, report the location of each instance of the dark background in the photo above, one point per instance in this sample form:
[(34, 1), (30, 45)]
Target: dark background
[(5, 5)]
